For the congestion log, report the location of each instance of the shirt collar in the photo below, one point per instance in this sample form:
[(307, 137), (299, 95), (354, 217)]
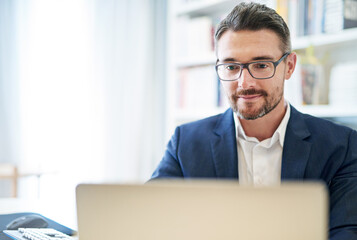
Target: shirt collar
[(279, 133)]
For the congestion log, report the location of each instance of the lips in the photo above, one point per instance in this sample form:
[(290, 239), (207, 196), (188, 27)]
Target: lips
[(250, 94), (249, 97)]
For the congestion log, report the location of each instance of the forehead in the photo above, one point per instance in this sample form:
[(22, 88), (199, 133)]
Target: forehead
[(245, 45)]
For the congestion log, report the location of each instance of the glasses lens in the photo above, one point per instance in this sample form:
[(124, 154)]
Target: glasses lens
[(228, 71), (262, 69)]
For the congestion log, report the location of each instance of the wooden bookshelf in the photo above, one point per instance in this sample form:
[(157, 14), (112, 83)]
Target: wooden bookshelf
[(328, 111), (330, 40), (203, 8), (336, 47)]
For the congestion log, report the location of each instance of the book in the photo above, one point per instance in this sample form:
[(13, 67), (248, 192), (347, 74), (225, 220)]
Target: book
[(312, 84), (197, 88), (293, 18), (343, 93), (199, 36), (194, 37), (350, 14), (333, 16)]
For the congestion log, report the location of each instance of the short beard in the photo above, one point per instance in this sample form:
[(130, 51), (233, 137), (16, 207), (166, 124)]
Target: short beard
[(265, 109)]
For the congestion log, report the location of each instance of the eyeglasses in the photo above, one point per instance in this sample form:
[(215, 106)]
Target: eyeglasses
[(258, 70)]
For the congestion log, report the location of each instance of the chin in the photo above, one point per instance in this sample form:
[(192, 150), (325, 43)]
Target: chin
[(248, 113), (251, 116)]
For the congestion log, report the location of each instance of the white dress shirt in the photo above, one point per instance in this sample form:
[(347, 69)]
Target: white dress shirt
[(259, 163)]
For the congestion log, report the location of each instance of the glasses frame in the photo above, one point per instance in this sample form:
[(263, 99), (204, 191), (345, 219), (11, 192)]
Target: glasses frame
[(246, 65)]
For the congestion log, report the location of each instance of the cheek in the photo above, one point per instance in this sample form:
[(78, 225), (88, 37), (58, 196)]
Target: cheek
[(229, 87), (273, 86)]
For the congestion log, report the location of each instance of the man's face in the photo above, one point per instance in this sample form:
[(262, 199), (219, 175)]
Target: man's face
[(253, 98)]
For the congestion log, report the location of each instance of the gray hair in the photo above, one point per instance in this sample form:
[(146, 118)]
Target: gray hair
[(255, 16)]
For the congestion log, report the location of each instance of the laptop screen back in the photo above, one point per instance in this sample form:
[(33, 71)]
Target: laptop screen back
[(190, 210)]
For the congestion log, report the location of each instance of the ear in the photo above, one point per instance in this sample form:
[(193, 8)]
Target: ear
[(290, 63)]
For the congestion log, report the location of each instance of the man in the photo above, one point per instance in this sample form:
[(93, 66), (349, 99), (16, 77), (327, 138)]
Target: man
[(262, 140)]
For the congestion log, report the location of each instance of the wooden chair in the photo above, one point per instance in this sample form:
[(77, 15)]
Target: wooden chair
[(10, 171)]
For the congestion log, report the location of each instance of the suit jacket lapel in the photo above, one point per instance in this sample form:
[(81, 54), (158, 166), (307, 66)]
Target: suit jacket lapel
[(296, 149), (295, 153), (224, 147)]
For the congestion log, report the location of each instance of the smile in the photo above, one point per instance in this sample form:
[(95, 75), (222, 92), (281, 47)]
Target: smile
[(249, 97)]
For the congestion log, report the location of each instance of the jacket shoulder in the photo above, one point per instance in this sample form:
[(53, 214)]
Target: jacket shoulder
[(318, 126), (209, 124), (326, 126)]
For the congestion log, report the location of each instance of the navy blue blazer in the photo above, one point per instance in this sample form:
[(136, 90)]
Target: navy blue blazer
[(314, 149)]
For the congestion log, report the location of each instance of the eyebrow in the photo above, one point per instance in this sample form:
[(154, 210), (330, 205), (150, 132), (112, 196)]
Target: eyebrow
[(258, 58), (263, 58)]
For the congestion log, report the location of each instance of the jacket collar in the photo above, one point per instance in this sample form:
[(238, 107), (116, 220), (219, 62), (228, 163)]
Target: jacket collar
[(224, 147), (296, 149)]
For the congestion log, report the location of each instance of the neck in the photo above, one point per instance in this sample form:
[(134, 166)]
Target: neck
[(264, 127)]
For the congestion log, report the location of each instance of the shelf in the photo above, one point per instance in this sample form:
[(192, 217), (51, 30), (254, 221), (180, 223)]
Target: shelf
[(346, 36), (207, 7), (337, 47), (323, 111), (209, 59), (328, 111)]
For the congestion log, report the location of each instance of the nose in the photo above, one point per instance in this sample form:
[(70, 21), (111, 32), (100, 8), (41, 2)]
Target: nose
[(246, 80)]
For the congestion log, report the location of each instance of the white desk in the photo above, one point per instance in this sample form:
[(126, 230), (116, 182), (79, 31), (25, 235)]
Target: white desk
[(57, 210)]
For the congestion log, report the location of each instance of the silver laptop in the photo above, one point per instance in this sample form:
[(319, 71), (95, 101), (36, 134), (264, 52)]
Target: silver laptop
[(202, 210)]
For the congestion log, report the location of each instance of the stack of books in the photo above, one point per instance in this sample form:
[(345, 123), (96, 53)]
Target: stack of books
[(198, 88), (312, 17), (343, 84), (195, 37)]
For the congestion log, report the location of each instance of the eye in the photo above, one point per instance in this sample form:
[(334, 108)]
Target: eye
[(232, 67), (260, 65)]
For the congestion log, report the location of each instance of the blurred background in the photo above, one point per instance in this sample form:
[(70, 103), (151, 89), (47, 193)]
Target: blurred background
[(91, 90), (82, 94)]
